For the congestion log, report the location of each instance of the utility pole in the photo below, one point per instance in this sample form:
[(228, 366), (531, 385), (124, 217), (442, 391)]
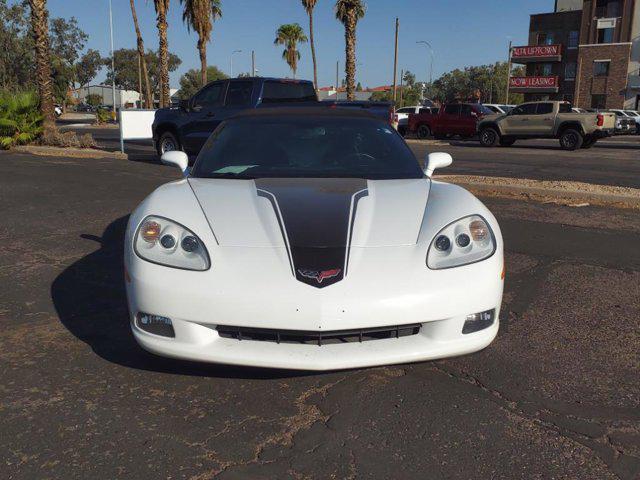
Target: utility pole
[(395, 63), (113, 64), (337, 76), (508, 73), (139, 81), (401, 86), (253, 63)]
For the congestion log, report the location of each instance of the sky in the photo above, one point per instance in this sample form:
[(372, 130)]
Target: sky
[(461, 32)]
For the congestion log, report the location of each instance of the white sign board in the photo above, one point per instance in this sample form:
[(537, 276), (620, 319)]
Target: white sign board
[(136, 124), (606, 23)]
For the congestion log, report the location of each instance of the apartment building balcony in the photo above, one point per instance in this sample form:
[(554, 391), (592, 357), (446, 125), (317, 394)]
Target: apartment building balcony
[(539, 84), (536, 53)]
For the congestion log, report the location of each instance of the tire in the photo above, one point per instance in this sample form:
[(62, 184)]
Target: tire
[(571, 139), (507, 142), (489, 137), (589, 142), (424, 131), (167, 143)]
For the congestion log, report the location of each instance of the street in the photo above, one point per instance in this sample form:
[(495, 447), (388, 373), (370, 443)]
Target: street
[(556, 395)]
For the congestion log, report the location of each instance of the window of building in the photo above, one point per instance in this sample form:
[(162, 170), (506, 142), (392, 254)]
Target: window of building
[(574, 39), (570, 71), (607, 8), (605, 35), (598, 101), (601, 68), (543, 69), (545, 38)]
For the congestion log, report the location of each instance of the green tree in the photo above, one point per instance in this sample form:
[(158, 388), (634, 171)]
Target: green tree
[(359, 87), (67, 39), (17, 55), (88, 67), (290, 35), (200, 15), (309, 5), (409, 78), (162, 7), (349, 12), (126, 64), (148, 97), (93, 99), (40, 29), (190, 82)]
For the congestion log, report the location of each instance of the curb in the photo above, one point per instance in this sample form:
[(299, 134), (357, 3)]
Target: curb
[(69, 152), (561, 192)]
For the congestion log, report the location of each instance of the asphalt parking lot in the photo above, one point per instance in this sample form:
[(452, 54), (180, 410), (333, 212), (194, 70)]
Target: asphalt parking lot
[(555, 396)]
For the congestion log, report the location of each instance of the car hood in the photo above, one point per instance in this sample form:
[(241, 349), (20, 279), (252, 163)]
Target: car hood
[(318, 220)]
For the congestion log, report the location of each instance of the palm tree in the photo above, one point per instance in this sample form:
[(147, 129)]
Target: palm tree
[(289, 35), (40, 27), (162, 6), (349, 12), (148, 100), (199, 15), (309, 5)]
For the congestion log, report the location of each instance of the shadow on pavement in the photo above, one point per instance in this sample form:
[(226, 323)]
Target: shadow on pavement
[(90, 299)]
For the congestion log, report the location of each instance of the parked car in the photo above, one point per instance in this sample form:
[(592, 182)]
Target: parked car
[(383, 110), (320, 244), (57, 110), (636, 117), (546, 120), (625, 124), (499, 108), (452, 119), (404, 113), (188, 126), (84, 107)]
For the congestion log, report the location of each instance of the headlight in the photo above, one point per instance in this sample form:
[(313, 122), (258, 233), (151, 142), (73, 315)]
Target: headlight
[(162, 241), (464, 241)]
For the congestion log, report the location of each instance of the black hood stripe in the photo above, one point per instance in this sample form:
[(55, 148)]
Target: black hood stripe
[(316, 218)]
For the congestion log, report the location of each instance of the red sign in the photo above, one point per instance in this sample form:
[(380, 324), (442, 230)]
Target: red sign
[(536, 51), (533, 83)]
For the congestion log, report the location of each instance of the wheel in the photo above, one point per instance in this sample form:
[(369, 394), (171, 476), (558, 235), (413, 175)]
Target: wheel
[(507, 142), (489, 137), (571, 139), (167, 143), (589, 142), (424, 131), (402, 130)]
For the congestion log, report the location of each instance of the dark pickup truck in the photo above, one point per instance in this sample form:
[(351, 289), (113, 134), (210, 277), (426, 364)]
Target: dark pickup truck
[(452, 119), (188, 126)]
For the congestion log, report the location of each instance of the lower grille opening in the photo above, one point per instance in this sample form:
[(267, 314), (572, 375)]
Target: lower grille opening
[(317, 337)]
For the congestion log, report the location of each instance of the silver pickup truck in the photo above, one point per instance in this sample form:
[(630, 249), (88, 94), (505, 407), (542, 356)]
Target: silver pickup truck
[(546, 120)]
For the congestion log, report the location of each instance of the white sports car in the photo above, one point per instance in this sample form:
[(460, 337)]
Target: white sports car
[(310, 238)]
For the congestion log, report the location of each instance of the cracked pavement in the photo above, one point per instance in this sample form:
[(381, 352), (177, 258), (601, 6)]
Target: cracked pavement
[(555, 396)]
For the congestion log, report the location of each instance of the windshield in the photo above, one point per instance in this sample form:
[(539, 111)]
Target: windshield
[(631, 113), (300, 146), (485, 110), (278, 91)]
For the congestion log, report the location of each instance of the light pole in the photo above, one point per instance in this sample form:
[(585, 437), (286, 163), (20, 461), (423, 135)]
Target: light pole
[(113, 64), (232, 53), (424, 42)]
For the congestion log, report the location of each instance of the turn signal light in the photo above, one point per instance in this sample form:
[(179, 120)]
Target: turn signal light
[(478, 321), (150, 231), (155, 324)]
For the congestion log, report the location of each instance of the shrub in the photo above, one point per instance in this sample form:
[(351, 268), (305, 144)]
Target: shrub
[(20, 118), (56, 138), (93, 99), (103, 116)]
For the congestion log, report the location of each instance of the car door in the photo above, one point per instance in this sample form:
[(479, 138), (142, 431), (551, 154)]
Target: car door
[(203, 116), (517, 122), (239, 97), (448, 119), (542, 123), (468, 119)]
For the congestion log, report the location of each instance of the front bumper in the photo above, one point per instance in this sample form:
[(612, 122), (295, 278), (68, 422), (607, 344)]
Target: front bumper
[(197, 302)]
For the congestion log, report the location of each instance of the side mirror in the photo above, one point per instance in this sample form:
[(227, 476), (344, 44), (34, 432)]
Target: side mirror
[(176, 158), (437, 160)]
